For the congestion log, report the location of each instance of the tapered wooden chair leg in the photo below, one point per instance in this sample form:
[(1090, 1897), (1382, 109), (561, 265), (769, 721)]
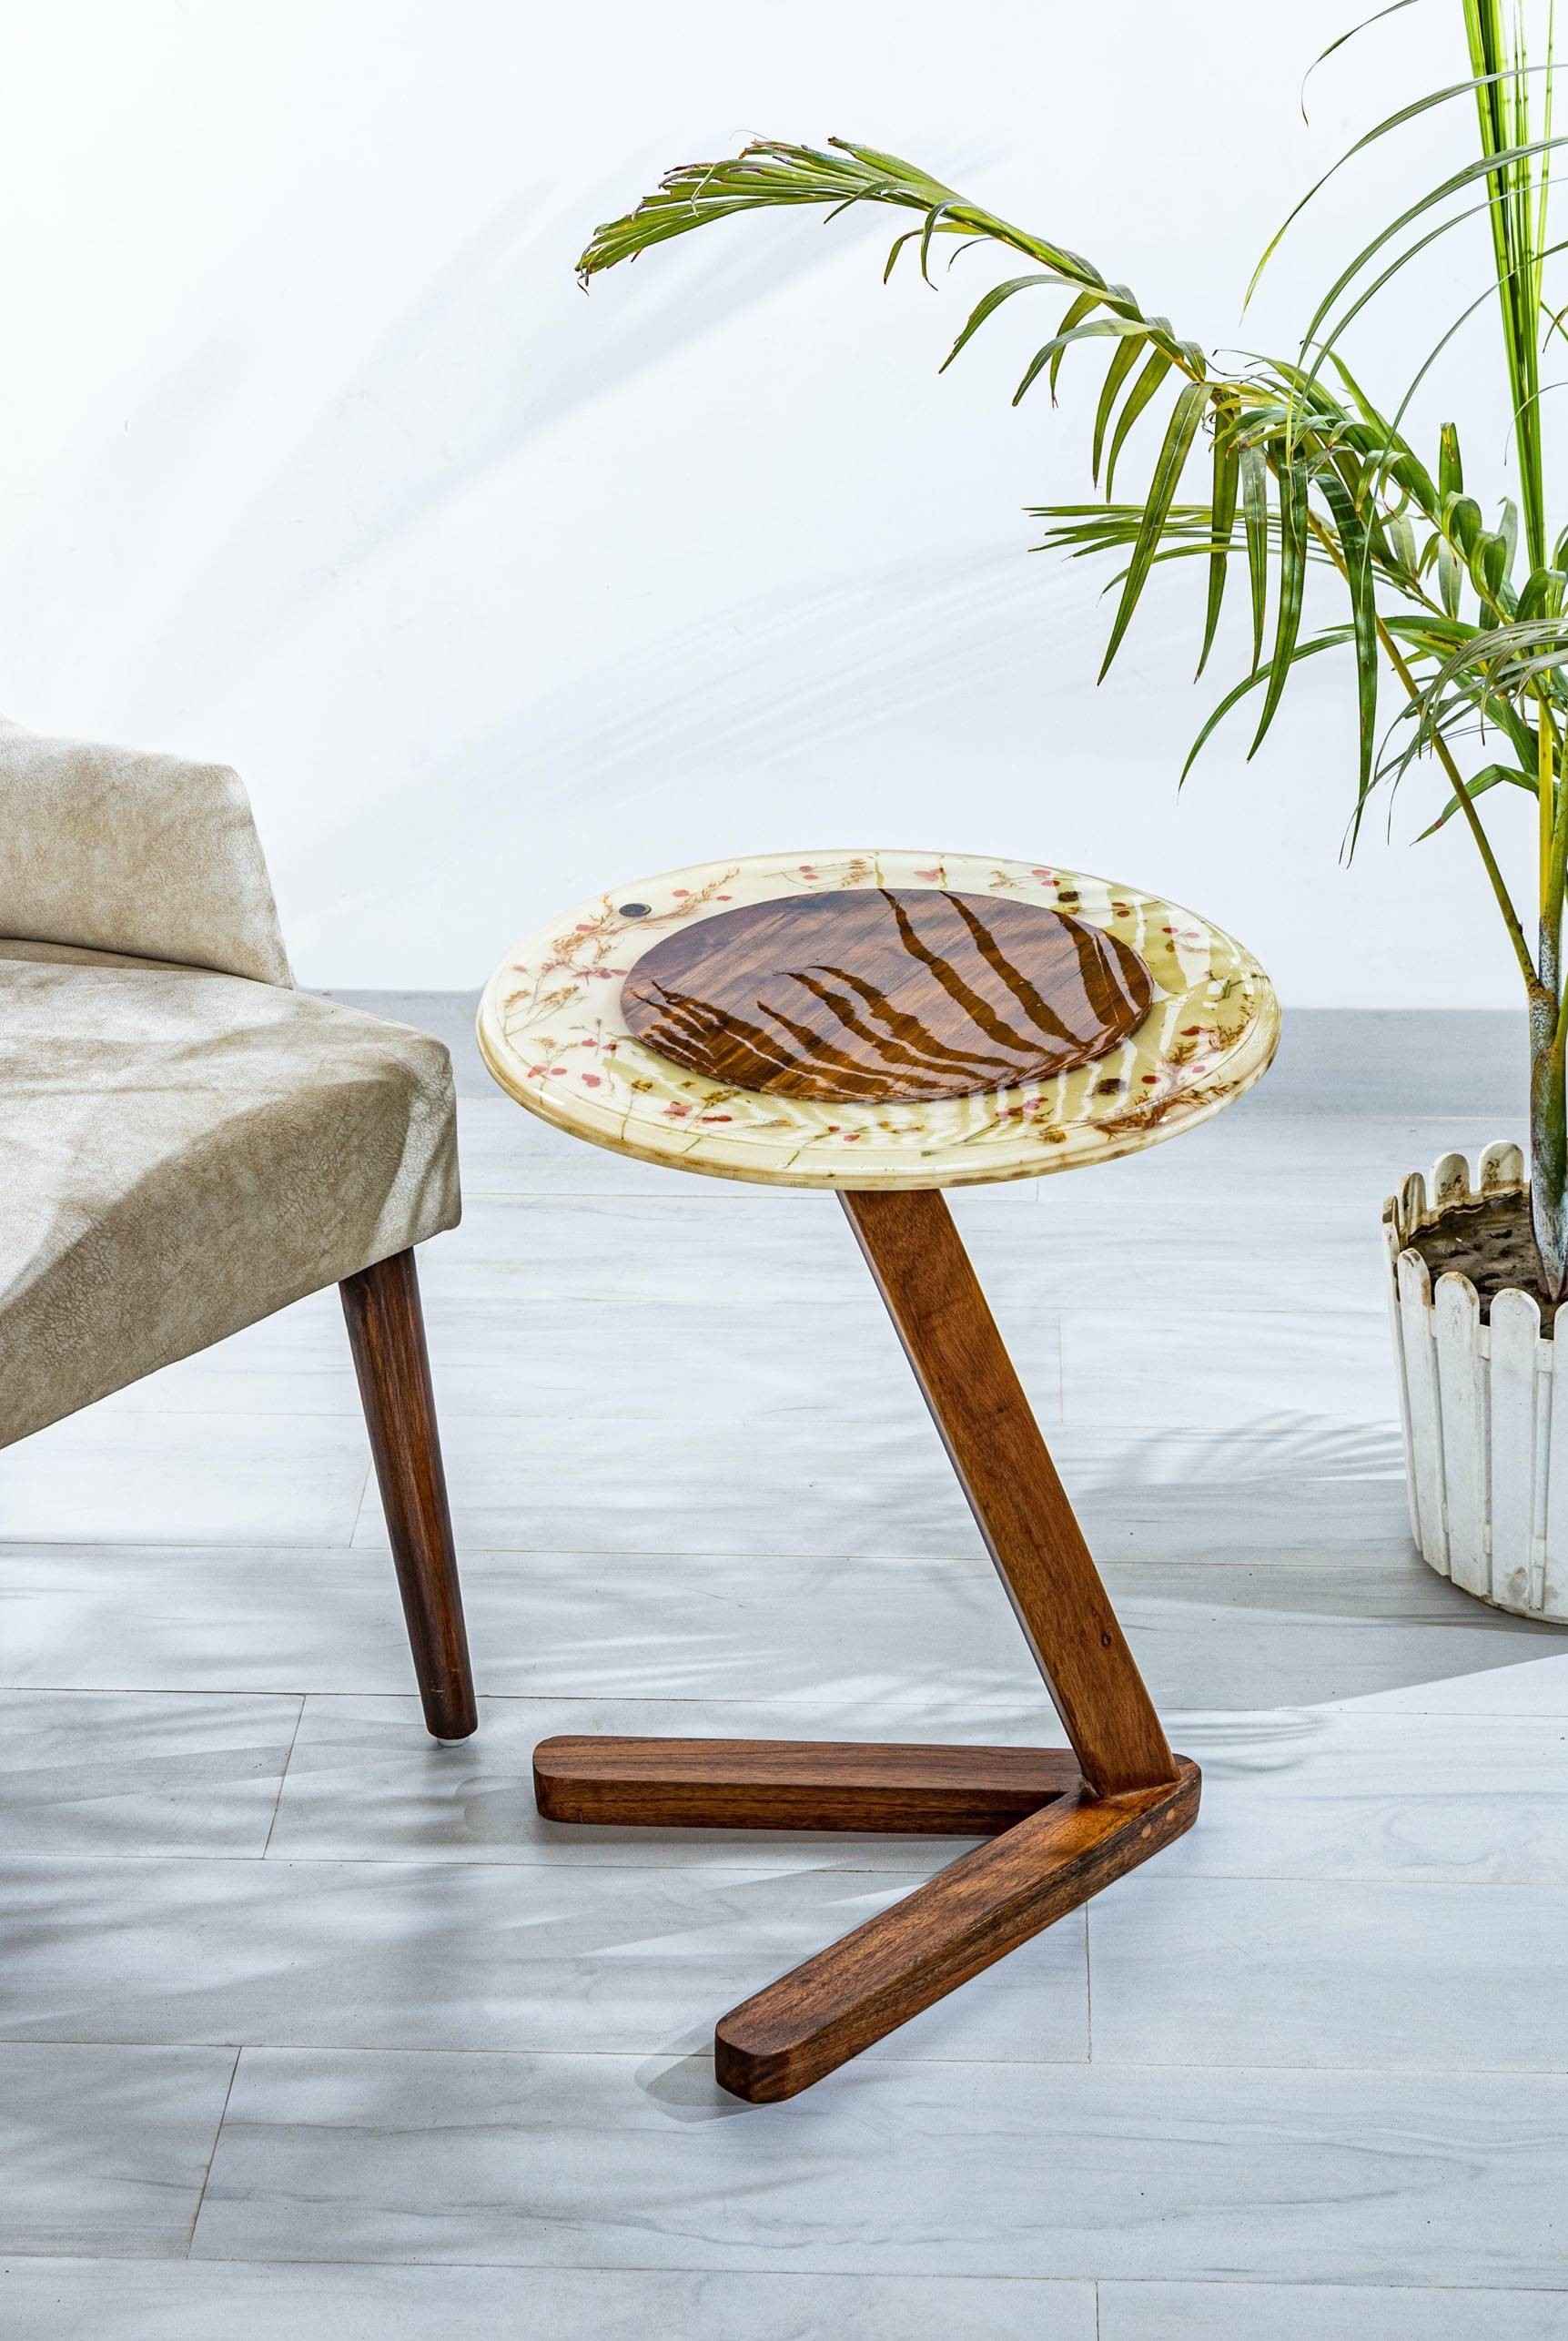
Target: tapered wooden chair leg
[(386, 1334)]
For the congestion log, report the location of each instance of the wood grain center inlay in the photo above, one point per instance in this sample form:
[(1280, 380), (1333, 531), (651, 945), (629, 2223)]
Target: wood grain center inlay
[(875, 993)]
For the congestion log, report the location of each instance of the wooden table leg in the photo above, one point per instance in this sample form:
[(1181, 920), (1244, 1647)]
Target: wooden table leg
[(1060, 1827), (989, 1430)]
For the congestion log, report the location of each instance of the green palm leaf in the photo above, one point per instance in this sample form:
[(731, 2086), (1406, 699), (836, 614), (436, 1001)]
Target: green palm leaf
[(1491, 776), (1185, 416), (992, 301), (1293, 482), (1137, 397), (1355, 551), (1222, 521), (1331, 639), (1254, 471), (1116, 373)]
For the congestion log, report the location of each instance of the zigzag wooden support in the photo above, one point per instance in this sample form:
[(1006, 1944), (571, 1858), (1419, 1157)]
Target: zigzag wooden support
[(1061, 1826)]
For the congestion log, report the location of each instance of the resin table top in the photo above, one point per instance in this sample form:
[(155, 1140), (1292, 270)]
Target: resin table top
[(877, 1019)]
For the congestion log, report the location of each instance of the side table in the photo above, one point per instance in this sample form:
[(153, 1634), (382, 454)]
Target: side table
[(886, 1024)]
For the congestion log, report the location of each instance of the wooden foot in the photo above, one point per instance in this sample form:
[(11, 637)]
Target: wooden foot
[(870, 1981), (387, 1335), (797, 1784)]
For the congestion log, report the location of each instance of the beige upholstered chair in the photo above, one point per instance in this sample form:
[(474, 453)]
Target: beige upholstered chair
[(187, 1143)]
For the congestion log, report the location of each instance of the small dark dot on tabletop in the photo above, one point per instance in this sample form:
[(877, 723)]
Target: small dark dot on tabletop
[(634, 910)]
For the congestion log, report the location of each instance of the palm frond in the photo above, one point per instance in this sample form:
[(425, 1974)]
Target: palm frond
[(1305, 471)]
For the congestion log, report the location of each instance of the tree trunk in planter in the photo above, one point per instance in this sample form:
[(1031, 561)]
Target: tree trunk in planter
[(1548, 1128), (1485, 1408)]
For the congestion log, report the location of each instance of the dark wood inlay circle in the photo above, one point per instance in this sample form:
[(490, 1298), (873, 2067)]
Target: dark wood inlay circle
[(874, 993)]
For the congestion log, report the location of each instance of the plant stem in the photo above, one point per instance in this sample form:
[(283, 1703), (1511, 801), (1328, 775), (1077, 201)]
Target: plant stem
[(1553, 803), (1548, 1036), (1549, 1129), (1545, 799)]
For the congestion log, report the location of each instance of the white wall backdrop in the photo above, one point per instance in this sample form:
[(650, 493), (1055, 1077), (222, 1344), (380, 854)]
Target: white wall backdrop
[(315, 459)]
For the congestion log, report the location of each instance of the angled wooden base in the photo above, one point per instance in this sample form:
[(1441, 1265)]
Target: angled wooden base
[(1057, 1844), (1062, 1825)]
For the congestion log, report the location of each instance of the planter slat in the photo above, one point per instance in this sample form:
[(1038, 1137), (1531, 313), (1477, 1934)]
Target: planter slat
[(1545, 1382), (1450, 1181), (1413, 1204), (1461, 1394), (1554, 1558), (1502, 1165), (1393, 1244), (1425, 1404), (1515, 1338)]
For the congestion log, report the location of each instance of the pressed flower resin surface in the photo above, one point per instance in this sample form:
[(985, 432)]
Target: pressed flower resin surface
[(891, 1019)]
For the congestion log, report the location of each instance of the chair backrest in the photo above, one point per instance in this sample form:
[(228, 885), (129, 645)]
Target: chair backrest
[(120, 849)]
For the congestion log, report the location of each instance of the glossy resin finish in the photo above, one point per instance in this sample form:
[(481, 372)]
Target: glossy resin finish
[(555, 1034), (873, 994)]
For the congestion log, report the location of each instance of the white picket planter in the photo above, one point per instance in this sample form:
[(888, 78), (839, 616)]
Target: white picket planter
[(1485, 1410)]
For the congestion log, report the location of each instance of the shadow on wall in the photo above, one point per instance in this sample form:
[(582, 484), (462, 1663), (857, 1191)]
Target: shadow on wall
[(454, 388)]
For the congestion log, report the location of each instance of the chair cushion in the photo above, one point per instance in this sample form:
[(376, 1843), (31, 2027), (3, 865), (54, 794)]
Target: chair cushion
[(182, 1153)]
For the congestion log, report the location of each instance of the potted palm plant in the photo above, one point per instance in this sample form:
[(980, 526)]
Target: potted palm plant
[(1301, 472)]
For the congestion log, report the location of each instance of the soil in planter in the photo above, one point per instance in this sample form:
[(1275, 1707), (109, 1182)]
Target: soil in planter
[(1491, 1243)]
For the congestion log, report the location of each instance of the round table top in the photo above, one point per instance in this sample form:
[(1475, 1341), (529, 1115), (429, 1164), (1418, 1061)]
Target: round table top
[(901, 1019)]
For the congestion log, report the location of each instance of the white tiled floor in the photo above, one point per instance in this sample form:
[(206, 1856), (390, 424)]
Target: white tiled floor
[(285, 1982)]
